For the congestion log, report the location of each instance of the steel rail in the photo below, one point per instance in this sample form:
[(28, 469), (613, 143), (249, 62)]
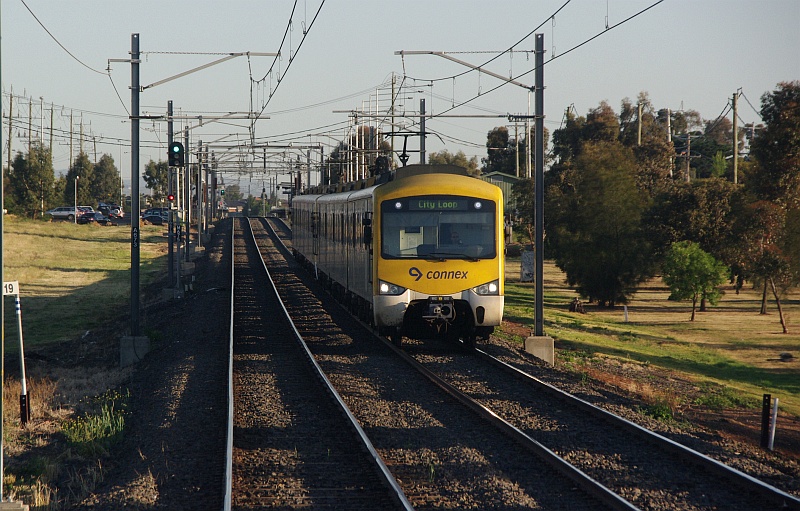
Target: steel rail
[(228, 477), (583, 480), (389, 479), (775, 495)]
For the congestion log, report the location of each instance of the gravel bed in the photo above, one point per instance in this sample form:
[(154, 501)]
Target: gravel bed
[(443, 455), (649, 476), (775, 469)]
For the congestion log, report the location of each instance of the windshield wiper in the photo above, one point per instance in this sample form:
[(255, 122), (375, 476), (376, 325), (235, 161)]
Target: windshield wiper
[(442, 256)]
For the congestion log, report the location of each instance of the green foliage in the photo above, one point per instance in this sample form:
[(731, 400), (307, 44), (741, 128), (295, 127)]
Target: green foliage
[(692, 273), (703, 212), (30, 183), (776, 148), (501, 152), (445, 157), (156, 177), (105, 187), (719, 165), (82, 169), (660, 411), (718, 398), (596, 234), (94, 433)]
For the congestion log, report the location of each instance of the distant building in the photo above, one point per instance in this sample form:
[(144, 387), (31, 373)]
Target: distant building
[(505, 182)]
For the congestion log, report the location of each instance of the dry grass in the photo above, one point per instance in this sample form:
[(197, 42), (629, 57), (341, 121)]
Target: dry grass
[(72, 279), (730, 344)]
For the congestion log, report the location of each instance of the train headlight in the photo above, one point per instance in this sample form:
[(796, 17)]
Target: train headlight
[(387, 288), (488, 289)]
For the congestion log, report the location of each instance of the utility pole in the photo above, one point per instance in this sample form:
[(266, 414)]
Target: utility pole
[(639, 122), (10, 123), (70, 138), (735, 140), (422, 131), (669, 139), (51, 130), (30, 116)]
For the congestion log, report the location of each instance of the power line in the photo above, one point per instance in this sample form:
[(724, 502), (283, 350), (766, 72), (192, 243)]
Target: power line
[(58, 42), (751, 106), (499, 54), (506, 82)]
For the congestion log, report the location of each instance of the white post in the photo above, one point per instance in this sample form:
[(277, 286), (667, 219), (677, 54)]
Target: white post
[(772, 423)]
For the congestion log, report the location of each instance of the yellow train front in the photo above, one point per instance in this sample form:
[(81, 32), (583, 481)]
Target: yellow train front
[(418, 253)]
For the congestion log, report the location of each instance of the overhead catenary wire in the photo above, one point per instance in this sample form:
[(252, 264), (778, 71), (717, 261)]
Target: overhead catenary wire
[(579, 45)]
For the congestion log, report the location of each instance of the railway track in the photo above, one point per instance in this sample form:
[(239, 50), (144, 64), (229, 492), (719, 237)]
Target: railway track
[(441, 452), (294, 445), (647, 469)]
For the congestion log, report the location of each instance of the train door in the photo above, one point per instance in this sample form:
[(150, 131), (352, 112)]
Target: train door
[(315, 233)]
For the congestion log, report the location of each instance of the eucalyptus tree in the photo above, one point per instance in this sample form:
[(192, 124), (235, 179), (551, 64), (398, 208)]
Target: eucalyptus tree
[(596, 235), (30, 182), (79, 179), (105, 185)]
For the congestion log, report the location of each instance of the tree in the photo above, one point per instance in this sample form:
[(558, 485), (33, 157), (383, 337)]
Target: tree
[(691, 273), (700, 212), (766, 249), (596, 234), (776, 148), (31, 182), (83, 169), (501, 152), (460, 159), (233, 194), (105, 185), (156, 176)]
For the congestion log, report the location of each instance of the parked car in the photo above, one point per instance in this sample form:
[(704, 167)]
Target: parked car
[(93, 217), (62, 213), (110, 210), (85, 209), (151, 211), (156, 217)]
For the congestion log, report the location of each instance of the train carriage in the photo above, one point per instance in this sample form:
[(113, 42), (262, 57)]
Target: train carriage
[(417, 252)]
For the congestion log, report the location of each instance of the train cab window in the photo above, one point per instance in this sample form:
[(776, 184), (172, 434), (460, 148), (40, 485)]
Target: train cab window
[(438, 226)]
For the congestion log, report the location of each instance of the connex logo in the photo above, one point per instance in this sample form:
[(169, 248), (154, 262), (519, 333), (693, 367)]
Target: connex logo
[(414, 272)]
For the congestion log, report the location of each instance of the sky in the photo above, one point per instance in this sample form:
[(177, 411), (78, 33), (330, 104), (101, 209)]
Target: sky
[(341, 56)]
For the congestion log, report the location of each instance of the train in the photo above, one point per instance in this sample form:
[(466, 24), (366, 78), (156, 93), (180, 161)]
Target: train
[(416, 252)]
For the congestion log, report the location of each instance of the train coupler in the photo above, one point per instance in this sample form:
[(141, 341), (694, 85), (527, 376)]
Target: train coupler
[(439, 308)]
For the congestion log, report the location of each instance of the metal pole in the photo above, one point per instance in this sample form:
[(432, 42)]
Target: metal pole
[(170, 190), (539, 187), (187, 177), (422, 131), (2, 280), (765, 420), (735, 140), (135, 208)]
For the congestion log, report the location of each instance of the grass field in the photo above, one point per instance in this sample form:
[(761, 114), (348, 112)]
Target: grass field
[(72, 277), (730, 344)]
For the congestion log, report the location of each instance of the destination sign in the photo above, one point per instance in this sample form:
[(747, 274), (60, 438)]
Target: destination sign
[(437, 204)]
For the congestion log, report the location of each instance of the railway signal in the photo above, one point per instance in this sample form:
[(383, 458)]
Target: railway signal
[(175, 154)]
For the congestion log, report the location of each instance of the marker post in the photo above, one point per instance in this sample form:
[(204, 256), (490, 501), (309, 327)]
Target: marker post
[(12, 288)]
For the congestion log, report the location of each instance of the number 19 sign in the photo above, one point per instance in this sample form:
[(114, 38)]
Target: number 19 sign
[(11, 288)]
